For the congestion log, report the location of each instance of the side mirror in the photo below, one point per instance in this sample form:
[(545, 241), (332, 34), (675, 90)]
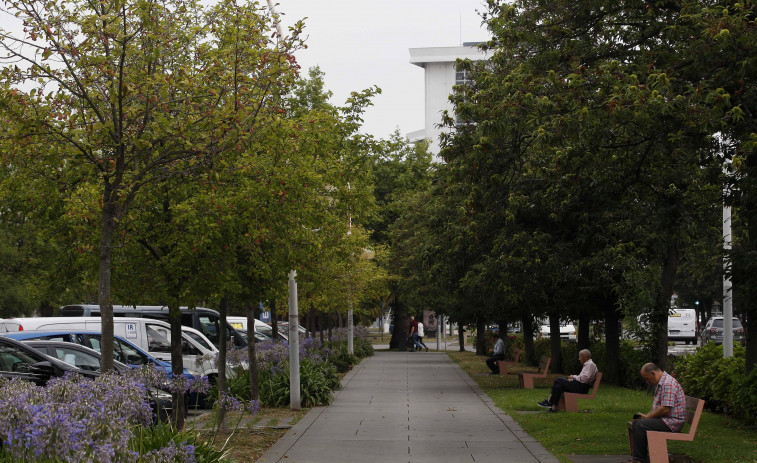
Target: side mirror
[(43, 370)]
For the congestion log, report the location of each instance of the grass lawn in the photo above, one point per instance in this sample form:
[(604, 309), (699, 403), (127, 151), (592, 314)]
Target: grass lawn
[(600, 427)]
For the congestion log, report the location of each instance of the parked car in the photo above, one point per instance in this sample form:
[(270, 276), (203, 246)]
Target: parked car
[(567, 330), (88, 359), (152, 336), (21, 361), (123, 350), (713, 331), (200, 318)]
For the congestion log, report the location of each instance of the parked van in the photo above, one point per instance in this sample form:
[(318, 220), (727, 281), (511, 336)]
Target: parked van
[(153, 336), (207, 321), (682, 325)]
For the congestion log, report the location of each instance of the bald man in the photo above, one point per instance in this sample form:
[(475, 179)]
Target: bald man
[(668, 410), (580, 383)]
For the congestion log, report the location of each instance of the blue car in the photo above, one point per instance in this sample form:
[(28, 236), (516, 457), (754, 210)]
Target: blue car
[(123, 350)]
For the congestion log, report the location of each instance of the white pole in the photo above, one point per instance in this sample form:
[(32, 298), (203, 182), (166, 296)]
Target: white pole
[(727, 289), (350, 330), (294, 345)]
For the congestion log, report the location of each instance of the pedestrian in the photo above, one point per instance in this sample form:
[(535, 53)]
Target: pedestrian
[(580, 383), (668, 410), (413, 332), (498, 353), (420, 342)]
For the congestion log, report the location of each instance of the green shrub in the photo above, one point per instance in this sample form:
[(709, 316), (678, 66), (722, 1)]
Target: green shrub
[(721, 382), (147, 439), (317, 381), (743, 397)]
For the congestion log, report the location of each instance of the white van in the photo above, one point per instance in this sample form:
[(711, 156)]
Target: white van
[(154, 336), (682, 325)]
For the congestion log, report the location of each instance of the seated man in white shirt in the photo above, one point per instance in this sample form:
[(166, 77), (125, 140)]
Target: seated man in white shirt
[(580, 383)]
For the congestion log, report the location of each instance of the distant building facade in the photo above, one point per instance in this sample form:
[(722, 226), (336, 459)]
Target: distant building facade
[(440, 77)]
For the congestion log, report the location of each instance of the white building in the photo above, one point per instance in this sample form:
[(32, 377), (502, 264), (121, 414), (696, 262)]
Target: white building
[(440, 76)]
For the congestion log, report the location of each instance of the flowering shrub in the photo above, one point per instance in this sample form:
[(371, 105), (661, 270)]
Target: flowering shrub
[(73, 419), (318, 368)]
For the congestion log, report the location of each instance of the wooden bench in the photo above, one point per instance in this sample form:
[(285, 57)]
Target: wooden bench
[(657, 441), (503, 364), (526, 379), (569, 400)]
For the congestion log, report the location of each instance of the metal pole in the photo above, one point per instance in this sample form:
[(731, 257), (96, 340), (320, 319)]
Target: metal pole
[(727, 289), (294, 345), (350, 330)]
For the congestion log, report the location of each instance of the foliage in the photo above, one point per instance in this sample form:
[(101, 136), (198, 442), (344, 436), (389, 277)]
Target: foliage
[(721, 382), (103, 420), (318, 369)]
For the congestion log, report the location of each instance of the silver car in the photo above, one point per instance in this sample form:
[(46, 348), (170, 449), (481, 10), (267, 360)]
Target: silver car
[(713, 331)]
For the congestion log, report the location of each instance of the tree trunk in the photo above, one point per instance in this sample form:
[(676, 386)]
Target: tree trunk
[(177, 363), (528, 339), (555, 344), (659, 316), (612, 370), (221, 417), (461, 336), (274, 321), (108, 226), (750, 325), (251, 355)]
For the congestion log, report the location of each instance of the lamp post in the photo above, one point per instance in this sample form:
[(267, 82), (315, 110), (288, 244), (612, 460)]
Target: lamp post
[(727, 288), (294, 345)]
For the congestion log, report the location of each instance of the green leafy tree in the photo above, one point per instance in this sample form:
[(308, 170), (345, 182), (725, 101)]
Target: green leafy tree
[(128, 94)]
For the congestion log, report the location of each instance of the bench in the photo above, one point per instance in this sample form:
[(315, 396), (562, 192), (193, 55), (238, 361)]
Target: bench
[(503, 364), (526, 379), (657, 441), (569, 400)]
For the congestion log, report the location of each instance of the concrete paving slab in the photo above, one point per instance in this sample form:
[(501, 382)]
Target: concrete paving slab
[(399, 407)]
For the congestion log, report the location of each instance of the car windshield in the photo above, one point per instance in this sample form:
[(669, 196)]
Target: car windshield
[(718, 323)]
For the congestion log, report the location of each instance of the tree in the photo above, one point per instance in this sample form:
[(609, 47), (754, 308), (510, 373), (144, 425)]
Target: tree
[(128, 94)]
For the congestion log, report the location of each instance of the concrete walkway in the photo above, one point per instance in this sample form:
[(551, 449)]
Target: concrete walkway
[(414, 407)]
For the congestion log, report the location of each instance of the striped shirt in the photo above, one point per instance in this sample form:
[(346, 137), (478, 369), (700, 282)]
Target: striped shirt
[(670, 394)]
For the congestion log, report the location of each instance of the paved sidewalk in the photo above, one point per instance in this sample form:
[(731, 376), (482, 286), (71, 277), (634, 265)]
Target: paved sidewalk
[(414, 407)]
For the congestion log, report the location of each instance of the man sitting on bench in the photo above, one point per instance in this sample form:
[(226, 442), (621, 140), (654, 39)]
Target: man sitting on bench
[(498, 353), (580, 383), (668, 410)]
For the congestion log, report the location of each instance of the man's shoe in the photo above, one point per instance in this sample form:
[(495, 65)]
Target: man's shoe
[(427, 349), (551, 410), (544, 403), (494, 373)]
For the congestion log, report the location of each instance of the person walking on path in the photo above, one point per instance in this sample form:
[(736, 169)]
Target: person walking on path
[(413, 332), (420, 342), (668, 410), (580, 383), (498, 353)]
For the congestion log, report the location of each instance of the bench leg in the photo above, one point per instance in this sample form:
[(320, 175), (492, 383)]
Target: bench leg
[(528, 382), (568, 402), (658, 447), (502, 367)]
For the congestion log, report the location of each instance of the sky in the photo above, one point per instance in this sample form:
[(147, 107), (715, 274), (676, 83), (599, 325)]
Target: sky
[(359, 43)]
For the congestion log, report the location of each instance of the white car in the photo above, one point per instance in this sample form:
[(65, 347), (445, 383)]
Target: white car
[(567, 330)]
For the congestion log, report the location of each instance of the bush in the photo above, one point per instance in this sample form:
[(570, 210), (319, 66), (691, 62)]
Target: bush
[(719, 381)]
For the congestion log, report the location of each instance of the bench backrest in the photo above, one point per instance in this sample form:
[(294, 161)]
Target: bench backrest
[(694, 409), (516, 354), (544, 364), (597, 380)]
